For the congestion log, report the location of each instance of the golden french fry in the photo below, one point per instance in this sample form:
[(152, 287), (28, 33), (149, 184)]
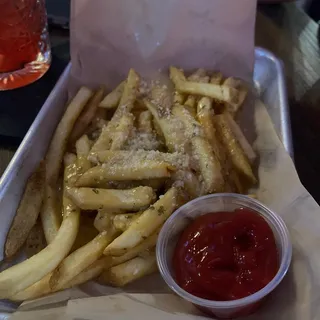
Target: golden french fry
[(80, 259), (35, 241), (191, 183), (215, 91), (123, 172), (28, 272), (111, 199), (198, 76), (234, 105), (142, 248), (129, 271), (50, 214), (86, 116), (38, 289), (145, 225), (209, 164), (178, 98), (171, 127), (123, 221), (145, 122), (245, 145), (233, 149), (83, 146), (27, 212), (89, 273), (112, 99), (104, 219), (122, 131), (126, 104)]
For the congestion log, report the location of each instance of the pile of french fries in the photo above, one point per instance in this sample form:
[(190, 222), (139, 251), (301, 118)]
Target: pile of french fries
[(117, 167)]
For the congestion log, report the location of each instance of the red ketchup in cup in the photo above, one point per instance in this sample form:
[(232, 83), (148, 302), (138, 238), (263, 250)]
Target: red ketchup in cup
[(225, 256)]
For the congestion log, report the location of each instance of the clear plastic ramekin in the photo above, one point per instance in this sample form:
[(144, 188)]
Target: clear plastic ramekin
[(216, 203)]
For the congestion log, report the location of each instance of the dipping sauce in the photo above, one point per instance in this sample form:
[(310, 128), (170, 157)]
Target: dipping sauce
[(226, 256)]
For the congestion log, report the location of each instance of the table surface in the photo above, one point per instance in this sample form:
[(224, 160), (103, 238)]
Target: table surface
[(293, 37)]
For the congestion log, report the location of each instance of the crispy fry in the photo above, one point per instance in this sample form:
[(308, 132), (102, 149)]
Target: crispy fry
[(209, 164), (112, 99), (191, 183), (38, 289), (126, 104), (143, 247), (27, 213), (123, 221), (146, 224), (219, 92), (145, 122), (122, 131), (89, 273), (216, 78), (104, 219), (178, 98), (129, 271), (122, 172), (234, 105), (83, 146), (50, 214), (28, 272), (234, 150), (171, 127), (245, 145), (94, 199), (80, 259), (86, 116)]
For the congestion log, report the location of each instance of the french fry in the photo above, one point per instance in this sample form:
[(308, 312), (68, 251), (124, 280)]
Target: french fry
[(86, 116), (50, 214), (123, 221), (112, 99), (119, 156), (89, 273), (126, 104), (233, 148), (28, 272), (178, 98), (129, 271), (142, 248), (122, 131), (104, 219), (123, 172), (145, 225), (234, 105), (111, 199), (198, 76), (27, 212), (38, 289), (145, 122), (209, 164), (245, 145), (191, 183), (80, 259), (35, 241), (171, 128), (220, 92), (83, 146)]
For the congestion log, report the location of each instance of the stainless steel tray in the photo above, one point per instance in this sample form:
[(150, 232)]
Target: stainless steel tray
[(270, 85)]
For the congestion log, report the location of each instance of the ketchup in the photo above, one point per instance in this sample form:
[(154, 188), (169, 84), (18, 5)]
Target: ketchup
[(226, 255)]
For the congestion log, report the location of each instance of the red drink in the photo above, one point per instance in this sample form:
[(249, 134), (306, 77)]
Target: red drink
[(24, 44)]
